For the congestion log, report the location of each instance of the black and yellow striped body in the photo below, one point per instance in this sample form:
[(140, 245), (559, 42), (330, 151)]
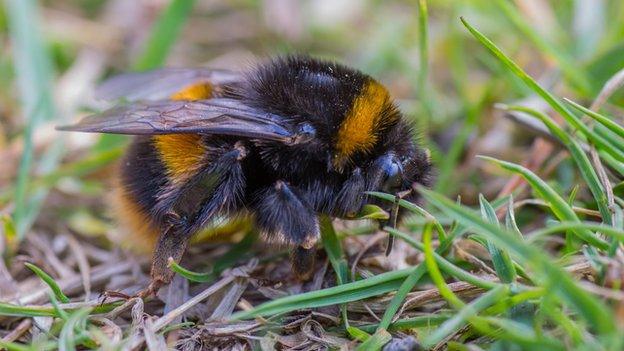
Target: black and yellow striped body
[(153, 163), (359, 141)]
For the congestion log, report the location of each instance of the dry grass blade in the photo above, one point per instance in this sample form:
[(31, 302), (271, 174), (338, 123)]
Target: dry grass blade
[(165, 320)]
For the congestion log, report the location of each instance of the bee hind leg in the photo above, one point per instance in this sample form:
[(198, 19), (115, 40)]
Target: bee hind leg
[(172, 244), (284, 216), (302, 261), (196, 205)]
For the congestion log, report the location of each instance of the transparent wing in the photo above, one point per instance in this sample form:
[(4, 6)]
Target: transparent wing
[(214, 116), (160, 84)]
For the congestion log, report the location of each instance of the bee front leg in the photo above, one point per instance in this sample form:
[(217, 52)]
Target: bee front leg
[(284, 216)]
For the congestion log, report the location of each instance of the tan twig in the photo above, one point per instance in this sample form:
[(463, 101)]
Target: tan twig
[(16, 333), (539, 202), (168, 318), (83, 264), (73, 284)]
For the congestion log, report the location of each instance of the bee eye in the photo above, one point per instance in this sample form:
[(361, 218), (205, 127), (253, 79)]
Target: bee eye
[(393, 174)]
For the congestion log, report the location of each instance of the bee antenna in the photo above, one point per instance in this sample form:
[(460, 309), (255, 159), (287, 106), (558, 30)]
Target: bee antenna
[(394, 215)]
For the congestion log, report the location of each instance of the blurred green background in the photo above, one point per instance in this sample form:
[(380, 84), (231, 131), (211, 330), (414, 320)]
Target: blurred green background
[(55, 52)]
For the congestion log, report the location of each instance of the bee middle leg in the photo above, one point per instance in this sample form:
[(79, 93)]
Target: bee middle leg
[(286, 217)]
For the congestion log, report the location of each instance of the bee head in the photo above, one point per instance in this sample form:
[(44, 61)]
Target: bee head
[(399, 173)]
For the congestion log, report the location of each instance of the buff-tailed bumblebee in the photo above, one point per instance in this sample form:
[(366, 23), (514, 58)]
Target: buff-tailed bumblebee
[(285, 141)]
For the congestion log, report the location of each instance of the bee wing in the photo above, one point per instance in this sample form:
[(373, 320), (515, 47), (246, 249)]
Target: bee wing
[(161, 83), (214, 116)]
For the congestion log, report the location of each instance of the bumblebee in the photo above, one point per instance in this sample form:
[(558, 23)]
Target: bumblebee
[(282, 142)]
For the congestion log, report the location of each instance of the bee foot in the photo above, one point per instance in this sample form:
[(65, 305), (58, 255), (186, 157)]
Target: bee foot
[(151, 290)]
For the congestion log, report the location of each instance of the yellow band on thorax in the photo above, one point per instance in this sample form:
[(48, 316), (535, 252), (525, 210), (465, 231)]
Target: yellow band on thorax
[(357, 132)]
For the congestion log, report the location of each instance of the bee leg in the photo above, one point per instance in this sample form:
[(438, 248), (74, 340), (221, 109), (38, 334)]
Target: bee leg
[(285, 217), (302, 261), (171, 243), (197, 204)]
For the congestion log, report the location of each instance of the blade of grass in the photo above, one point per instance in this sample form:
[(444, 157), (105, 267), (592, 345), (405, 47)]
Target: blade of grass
[(605, 121), (362, 289), (357, 333), (7, 309), (332, 246), (557, 204), (423, 73), (502, 262), (434, 271), (33, 72), (376, 341), (410, 323), (548, 97), (564, 62), (596, 313), (49, 281), (226, 261), (459, 319), (188, 274), (412, 280), (163, 34), (447, 266), (580, 158)]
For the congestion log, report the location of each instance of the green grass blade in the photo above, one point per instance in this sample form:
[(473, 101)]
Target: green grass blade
[(7, 309), (548, 97), (410, 323), (332, 246), (357, 333), (49, 281), (453, 324), (510, 219), (407, 286), (502, 262), (423, 88), (614, 232), (605, 121), (412, 279), (190, 275), (334, 249), (558, 205), (164, 34), (580, 158), (71, 329), (33, 69), (446, 266), (591, 309), (361, 289), (435, 273), (376, 341), (564, 62)]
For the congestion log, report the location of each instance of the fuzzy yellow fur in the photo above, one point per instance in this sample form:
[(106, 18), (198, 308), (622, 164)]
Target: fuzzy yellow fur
[(357, 131), (182, 155)]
